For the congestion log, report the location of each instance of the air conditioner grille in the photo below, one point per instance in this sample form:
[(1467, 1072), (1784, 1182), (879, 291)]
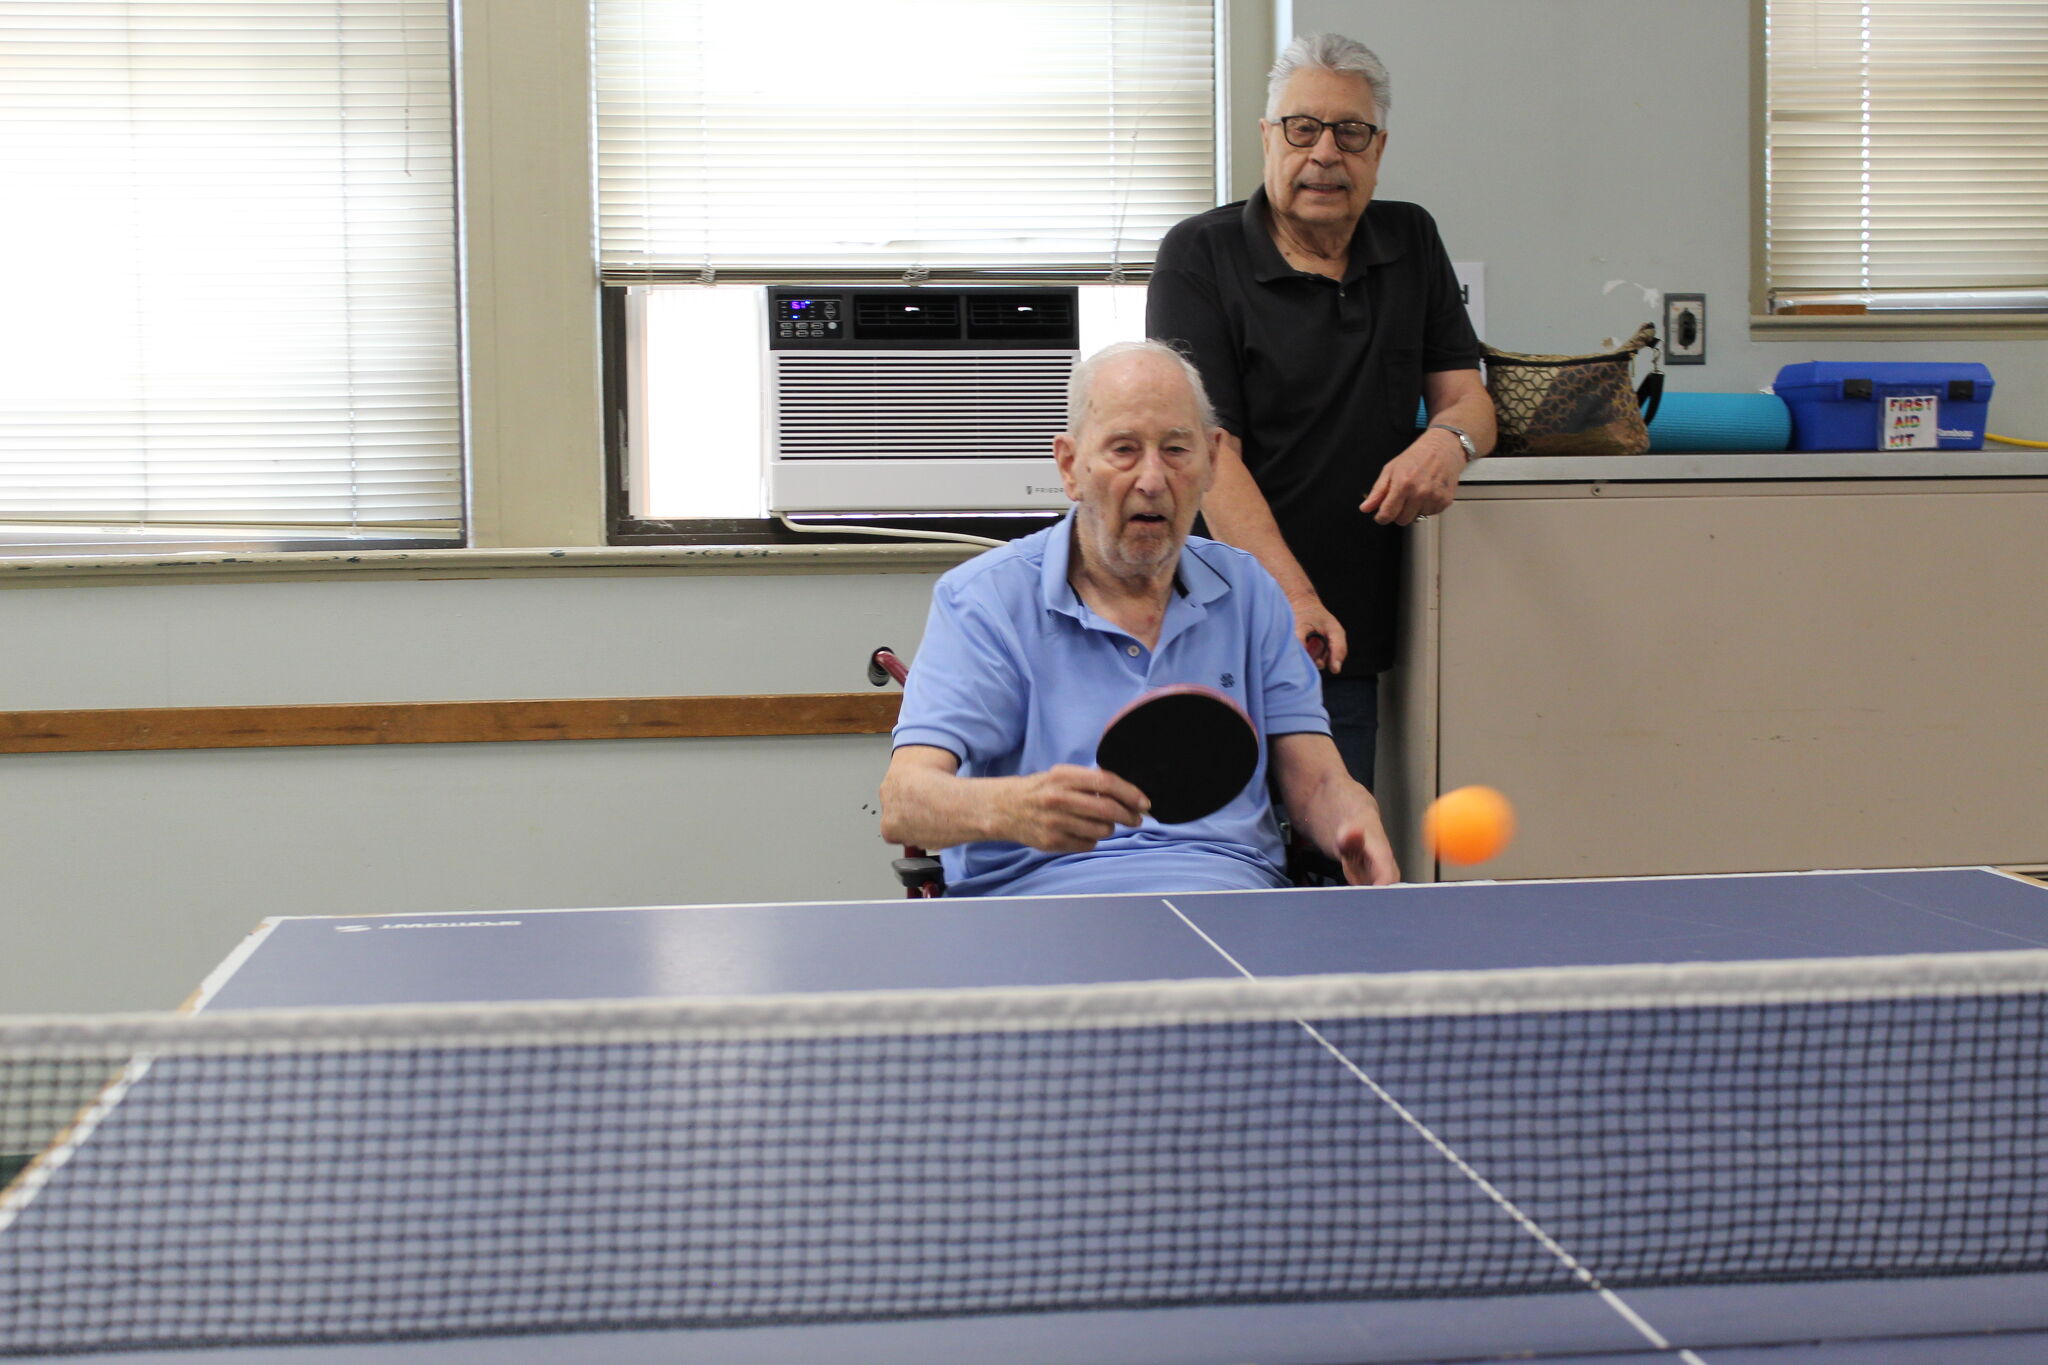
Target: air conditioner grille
[(957, 405), (933, 316), (1003, 317)]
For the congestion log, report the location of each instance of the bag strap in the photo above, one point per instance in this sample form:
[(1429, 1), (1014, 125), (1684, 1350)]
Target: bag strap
[(1650, 393)]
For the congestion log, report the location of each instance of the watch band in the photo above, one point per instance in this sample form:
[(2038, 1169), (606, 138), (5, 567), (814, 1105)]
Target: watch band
[(1471, 450)]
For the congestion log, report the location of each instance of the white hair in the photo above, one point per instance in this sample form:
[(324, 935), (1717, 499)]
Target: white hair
[(1331, 52), (1081, 384)]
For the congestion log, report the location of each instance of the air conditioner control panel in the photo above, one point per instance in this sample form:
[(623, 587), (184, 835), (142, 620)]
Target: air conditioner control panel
[(805, 315), (935, 317)]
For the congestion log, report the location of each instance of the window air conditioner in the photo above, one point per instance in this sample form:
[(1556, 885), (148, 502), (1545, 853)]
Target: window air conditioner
[(929, 399)]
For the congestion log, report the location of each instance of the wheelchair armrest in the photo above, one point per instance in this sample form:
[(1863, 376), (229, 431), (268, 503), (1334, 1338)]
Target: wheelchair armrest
[(918, 871)]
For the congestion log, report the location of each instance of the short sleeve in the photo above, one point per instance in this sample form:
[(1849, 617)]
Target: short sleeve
[(966, 692), (1293, 691), (1449, 343)]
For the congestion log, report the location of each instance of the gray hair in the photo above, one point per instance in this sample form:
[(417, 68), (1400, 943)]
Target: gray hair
[(1331, 52), (1081, 384)]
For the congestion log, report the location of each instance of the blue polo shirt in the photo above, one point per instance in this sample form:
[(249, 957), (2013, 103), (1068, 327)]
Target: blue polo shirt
[(1015, 674)]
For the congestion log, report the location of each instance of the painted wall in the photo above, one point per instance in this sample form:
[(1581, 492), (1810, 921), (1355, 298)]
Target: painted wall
[(1595, 153), (124, 877)]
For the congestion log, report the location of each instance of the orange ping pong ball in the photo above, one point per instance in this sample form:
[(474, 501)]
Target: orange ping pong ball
[(1468, 825)]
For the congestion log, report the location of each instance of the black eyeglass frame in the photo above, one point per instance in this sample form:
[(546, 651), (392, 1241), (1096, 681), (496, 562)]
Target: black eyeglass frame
[(1288, 123)]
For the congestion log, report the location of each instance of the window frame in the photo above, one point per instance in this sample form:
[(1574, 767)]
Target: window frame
[(1765, 325), (1240, 101)]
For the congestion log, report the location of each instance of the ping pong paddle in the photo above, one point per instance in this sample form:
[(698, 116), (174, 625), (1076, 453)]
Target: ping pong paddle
[(1190, 750)]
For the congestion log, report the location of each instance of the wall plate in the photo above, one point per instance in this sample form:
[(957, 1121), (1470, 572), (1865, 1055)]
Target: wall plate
[(1685, 329)]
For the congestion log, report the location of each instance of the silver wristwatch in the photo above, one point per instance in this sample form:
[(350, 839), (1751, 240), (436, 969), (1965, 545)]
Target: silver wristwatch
[(1471, 451)]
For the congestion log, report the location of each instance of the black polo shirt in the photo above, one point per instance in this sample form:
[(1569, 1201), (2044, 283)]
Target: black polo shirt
[(1320, 379)]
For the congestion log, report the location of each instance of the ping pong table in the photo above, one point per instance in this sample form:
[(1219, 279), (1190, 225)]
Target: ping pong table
[(1335, 1216)]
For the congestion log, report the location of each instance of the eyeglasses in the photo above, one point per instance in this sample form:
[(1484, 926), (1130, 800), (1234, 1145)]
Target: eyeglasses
[(1352, 136)]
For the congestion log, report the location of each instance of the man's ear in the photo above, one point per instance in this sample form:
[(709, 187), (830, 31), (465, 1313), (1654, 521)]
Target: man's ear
[(1064, 453)]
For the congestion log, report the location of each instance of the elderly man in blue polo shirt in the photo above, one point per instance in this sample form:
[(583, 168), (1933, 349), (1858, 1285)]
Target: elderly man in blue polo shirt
[(1032, 647)]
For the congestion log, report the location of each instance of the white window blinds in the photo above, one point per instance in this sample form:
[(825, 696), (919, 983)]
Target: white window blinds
[(907, 137), (230, 253), (1907, 146)]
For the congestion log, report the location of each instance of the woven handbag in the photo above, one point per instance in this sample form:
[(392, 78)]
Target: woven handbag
[(1575, 404)]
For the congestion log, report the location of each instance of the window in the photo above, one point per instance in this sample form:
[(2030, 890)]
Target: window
[(242, 307), (893, 142), (1906, 155), (701, 446)]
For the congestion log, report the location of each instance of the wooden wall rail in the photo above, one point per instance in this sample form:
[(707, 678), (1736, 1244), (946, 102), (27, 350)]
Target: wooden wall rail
[(446, 722)]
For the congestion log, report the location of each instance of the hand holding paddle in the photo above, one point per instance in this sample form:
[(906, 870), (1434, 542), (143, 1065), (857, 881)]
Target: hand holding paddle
[(1068, 808)]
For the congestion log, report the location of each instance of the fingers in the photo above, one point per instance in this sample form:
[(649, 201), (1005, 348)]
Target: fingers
[(1070, 809), (1412, 484), (1319, 633), (1406, 499), (1367, 857), (1335, 643), (1378, 492), (1124, 803)]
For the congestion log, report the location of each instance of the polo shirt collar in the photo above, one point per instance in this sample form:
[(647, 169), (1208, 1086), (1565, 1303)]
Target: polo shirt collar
[(1369, 246), (1194, 581)]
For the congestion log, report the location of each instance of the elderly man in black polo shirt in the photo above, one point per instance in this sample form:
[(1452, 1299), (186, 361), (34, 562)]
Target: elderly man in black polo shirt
[(1319, 319)]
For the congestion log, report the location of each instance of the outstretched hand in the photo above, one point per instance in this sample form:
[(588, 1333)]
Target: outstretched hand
[(1367, 857)]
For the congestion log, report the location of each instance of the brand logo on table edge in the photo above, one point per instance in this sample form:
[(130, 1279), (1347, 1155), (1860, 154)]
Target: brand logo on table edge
[(429, 924)]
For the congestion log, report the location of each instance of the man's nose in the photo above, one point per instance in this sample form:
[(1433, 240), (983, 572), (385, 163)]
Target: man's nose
[(1152, 470)]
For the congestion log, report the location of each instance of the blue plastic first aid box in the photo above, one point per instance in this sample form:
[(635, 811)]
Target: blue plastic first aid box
[(1885, 405)]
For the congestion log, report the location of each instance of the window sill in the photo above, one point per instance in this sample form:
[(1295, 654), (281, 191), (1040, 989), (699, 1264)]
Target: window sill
[(213, 565), (1899, 326)]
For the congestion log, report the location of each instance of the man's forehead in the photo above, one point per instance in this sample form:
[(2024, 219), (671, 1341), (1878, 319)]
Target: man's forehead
[(1336, 91), (1162, 411), (1113, 430), (1140, 390)]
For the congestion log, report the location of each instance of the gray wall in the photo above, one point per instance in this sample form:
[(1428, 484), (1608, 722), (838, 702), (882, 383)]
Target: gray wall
[(1591, 152), (124, 877)]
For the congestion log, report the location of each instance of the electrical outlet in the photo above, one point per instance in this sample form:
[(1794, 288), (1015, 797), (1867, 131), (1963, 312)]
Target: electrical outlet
[(1685, 329)]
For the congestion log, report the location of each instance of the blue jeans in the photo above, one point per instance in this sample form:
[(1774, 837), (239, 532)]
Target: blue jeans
[(1354, 707)]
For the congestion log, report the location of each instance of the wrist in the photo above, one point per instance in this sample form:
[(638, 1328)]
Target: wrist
[(1466, 446)]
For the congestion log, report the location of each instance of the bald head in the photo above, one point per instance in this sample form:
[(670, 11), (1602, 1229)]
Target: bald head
[(1081, 385)]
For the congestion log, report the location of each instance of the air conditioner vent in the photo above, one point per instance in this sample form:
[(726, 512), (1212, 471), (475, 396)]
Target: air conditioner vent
[(941, 405), (925, 398), (929, 317), (994, 317)]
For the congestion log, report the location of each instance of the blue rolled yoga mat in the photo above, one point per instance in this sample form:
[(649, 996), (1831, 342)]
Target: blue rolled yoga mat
[(1721, 422), (1716, 422)]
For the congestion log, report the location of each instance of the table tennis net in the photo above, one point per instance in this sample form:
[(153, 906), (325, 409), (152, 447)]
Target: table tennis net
[(298, 1177)]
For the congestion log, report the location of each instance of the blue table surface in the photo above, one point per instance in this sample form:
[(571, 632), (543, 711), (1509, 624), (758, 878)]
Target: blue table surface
[(1077, 940), (775, 949)]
